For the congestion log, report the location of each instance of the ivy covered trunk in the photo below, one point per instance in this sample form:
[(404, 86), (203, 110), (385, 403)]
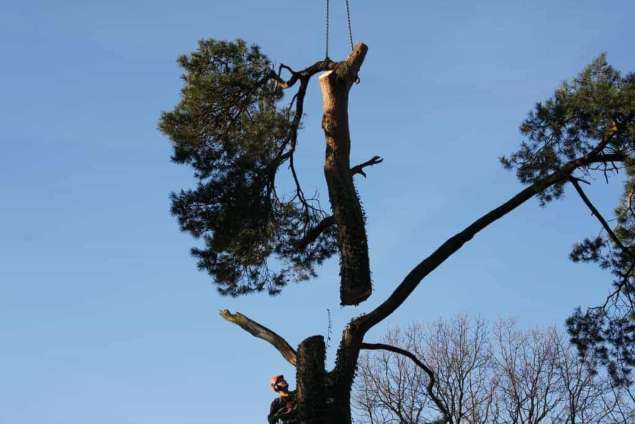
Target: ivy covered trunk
[(335, 85), (324, 398), (311, 381)]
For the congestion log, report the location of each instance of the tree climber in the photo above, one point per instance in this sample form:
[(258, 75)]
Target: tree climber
[(283, 408)]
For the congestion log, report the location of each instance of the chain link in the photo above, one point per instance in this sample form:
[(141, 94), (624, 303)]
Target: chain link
[(350, 27), (328, 10), (328, 25)]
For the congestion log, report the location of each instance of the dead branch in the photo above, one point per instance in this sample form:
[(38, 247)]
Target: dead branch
[(305, 74), (359, 169), (262, 332)]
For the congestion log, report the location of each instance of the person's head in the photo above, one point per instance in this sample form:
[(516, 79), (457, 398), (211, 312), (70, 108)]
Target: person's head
[(279, 384)]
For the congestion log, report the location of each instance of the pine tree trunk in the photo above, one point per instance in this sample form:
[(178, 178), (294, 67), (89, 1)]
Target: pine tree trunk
[(311, 382), (335, 85), (325, 398)]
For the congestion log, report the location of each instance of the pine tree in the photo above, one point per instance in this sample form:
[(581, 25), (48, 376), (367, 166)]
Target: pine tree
[(236, 130)]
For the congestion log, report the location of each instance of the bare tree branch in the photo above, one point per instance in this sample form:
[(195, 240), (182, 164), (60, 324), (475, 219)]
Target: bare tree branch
[(599, 217), (292, 139), (359, 169), (315, 232), (424, 367), (305, 74), (262, 332)]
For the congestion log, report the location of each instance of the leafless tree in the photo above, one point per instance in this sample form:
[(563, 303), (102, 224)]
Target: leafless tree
[(392, 387), (526, 362), (460, 355), (484, 374)]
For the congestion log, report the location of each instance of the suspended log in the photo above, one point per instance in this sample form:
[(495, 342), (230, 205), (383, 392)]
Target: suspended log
[(355, 283)]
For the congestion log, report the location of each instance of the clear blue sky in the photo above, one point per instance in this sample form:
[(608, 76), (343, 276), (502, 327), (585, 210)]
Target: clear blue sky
[(103, 316)]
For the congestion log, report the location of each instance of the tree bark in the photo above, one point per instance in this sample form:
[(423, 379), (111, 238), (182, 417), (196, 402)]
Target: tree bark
[(310, 380), (342, 376), (355, 285)]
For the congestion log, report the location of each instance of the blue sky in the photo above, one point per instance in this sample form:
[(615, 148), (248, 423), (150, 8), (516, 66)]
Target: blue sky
[(103, 315)]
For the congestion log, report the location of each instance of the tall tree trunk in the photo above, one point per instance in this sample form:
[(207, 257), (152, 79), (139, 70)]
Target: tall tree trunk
[(355, 286)]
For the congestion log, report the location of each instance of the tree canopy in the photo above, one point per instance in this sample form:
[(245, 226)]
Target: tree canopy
[(233, 128), (230, 126), (595, 108)]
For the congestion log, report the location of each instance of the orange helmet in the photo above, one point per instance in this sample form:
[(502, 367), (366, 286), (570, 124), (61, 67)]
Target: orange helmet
[(275, 380)]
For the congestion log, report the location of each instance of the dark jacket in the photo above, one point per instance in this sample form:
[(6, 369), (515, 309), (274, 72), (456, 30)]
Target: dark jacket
[(283, 409)]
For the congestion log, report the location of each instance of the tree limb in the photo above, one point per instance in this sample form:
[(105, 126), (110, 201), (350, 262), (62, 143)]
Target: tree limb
[(609, 157), (359, 169), (599, 217), (327, 222), (454, 243), (291, 141), (262, 332), (315, 232), (305, 74), (424, 367), (612, 235)]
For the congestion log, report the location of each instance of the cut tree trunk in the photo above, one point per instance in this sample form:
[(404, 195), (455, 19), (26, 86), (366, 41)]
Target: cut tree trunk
[(311, 381), (355, 285), (325, 398)]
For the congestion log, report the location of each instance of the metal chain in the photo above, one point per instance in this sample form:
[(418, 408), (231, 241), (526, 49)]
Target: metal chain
[(327, 28), (348, 17), (350, 31), (328, 24)]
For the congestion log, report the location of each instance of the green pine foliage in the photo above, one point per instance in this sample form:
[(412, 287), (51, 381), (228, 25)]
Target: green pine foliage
[(230, 128), (597, 106), (606, 335), (571, 123)]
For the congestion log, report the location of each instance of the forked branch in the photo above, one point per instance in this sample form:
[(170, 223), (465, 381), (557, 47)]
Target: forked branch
[(305, 74), (262, 332), (359, 169)]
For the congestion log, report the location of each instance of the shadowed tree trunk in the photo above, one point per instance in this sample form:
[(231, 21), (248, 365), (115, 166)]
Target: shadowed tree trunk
[(310, 380)]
